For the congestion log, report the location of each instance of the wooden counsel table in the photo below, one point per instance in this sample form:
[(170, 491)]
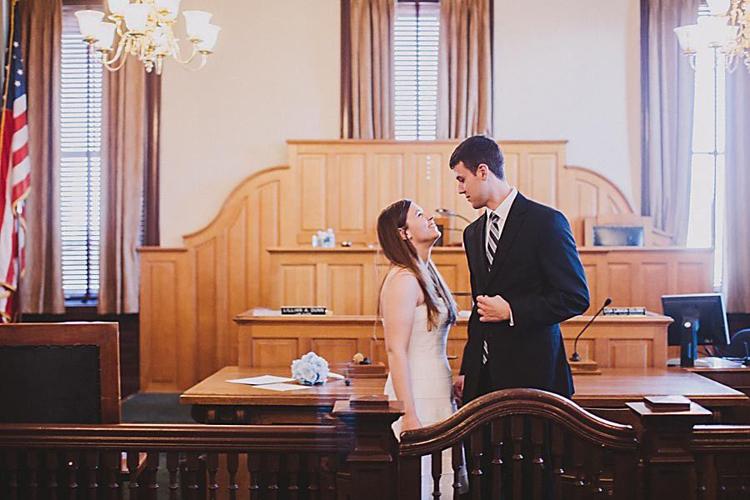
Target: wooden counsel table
[(216, 401)]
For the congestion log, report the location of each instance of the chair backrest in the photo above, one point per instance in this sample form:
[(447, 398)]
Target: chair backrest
[(60, 373), (739, 345)]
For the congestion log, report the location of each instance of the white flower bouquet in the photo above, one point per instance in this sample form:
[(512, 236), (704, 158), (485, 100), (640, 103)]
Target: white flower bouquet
[(310, 369)]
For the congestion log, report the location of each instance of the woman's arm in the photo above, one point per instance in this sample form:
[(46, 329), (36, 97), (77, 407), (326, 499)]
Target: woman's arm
[(399, 299)]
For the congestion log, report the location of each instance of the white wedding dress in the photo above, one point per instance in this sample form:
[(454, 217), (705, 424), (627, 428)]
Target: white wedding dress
[(432, 389)]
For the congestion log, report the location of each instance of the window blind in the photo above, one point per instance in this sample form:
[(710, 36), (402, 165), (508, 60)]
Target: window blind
[(416, 36), (80, 163)]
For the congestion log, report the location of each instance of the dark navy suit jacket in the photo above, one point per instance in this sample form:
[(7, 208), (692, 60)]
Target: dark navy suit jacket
[(538, 271)]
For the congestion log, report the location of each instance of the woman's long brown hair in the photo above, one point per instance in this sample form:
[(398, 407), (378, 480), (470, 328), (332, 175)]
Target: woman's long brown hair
[(402, 253)]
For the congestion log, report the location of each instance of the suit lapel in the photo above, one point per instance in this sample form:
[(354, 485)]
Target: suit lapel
[(477, 253), (511, 228)]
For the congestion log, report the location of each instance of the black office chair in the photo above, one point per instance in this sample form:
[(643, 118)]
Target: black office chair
[(739, 346)]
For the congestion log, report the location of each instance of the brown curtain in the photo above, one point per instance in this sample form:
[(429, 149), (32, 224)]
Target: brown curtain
[(737, 268), (367, 69), (125, 143), (668, 116), (465, 69), (41, 285)]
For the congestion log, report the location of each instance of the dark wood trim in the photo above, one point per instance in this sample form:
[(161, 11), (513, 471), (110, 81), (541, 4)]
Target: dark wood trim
[(645, 167), (345, 114), (103, 335), (151, 234)]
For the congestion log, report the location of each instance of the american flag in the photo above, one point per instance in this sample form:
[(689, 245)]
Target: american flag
[(15, 174)]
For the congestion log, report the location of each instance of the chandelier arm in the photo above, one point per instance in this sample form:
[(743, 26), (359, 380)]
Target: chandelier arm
[(118, 53), (189, 59)]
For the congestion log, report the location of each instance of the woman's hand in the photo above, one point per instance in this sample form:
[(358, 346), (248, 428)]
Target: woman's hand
[(410, 422)]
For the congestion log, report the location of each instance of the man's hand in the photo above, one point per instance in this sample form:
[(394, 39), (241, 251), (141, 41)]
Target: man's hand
[(492, 309), (458, 388)]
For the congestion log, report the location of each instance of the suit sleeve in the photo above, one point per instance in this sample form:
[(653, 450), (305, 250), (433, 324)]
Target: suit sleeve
[(471, 275), (565, 293)]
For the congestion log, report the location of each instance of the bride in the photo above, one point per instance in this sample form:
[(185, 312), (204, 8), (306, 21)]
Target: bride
[(418, 311)]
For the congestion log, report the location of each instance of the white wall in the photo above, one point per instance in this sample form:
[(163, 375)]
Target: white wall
[(275, 76), (564, 70), (571, 70)]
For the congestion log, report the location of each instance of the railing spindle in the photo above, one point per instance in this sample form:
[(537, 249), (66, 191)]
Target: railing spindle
[(313, 476), (292, 468), (212, 466), (53, 461), (149, 476), (477, 452), (173, 464), (516, 435), (558, 449), (579, 486), (497, 438), (253, 468), (110, 460), (232, 467), (71, 466), (436, 460), (132, 461), (537, 460), (192, 466), (91, 463), (32, 464), (328, 476), (457, 463), (11, 466)]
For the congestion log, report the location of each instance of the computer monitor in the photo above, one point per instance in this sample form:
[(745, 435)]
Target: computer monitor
[(707, 307)]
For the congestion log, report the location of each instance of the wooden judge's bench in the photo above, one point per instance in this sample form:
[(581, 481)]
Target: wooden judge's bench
[(256, 253)]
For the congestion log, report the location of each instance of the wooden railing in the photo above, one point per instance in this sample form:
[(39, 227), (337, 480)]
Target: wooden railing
[(552, 441), (524, 443)]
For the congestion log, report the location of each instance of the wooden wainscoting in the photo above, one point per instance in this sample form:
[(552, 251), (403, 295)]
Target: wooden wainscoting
[(347, 280), (274, 341)]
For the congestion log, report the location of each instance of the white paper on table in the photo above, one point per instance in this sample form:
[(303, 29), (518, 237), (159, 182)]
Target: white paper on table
[(335, 375), (261, 380), (283, 387)]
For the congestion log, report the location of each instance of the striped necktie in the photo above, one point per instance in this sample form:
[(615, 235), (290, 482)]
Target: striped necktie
[(492, 238)]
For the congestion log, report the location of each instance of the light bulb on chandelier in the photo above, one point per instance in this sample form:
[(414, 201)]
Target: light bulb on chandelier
[(725, 29), (144, 29)]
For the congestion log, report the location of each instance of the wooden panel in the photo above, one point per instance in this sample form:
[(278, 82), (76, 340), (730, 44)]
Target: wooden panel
[(345, 289), (429, 178), (388, 181), (620, 288), (592, 279), (541, 183), (297, 285), (654, 282), (691, 278), (274, 352), (347, 206), (630, 354), (335, 350), (377, 351), (512, 162), (313, 192), (205, 262)]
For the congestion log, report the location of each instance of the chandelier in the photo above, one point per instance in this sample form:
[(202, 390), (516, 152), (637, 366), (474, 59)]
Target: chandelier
[(726, 29), (143, 29)]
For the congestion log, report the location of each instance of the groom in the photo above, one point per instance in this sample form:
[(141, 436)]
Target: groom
[(526, 277)]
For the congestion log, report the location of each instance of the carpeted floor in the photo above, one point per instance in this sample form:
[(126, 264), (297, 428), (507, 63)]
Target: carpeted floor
[(145, 408)]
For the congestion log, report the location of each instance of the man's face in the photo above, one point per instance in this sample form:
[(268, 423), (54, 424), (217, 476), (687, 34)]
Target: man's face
[(472, 186)]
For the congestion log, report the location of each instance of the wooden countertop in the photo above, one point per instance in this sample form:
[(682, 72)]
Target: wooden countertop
[(215, 390), (251, 317), (613, 388)]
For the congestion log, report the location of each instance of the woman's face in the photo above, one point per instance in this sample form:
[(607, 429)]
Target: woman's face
[(420, 225)]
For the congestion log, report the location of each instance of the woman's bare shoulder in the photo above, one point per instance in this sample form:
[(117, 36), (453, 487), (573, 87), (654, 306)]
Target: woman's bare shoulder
[(401, 283)]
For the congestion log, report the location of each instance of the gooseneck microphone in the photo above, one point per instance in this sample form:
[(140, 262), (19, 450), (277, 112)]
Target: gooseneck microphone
[(576, 356)]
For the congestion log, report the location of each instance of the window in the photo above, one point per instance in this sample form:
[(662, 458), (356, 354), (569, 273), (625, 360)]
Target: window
[(80, 163), (416, 35), (707, 205)]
